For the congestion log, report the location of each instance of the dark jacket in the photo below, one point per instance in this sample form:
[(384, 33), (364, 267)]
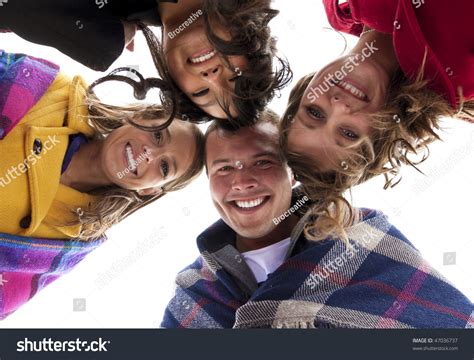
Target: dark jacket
[(90, 32)]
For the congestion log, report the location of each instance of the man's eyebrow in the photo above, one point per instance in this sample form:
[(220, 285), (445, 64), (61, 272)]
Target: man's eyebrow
[(266, 153), (220, 161)]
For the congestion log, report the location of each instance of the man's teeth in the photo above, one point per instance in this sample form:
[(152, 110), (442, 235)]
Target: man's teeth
[(249, 204), (132, 164), (352, 89), (202, 58)]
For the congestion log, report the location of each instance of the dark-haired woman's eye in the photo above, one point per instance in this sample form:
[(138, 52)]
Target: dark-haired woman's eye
[(158, 136), (348, 134), (315, 113), (164, 168), (201, 93)]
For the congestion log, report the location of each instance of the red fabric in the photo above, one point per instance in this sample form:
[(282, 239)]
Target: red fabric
[(443, 28)]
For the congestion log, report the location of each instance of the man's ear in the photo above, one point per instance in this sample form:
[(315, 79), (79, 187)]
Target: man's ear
[(151, 191)]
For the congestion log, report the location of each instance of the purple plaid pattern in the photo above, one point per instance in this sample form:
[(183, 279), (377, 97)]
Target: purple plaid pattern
[(381, 281), (28, 265), (23, 81)]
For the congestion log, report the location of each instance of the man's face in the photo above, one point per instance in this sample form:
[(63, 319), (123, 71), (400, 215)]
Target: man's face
[(250, 186)]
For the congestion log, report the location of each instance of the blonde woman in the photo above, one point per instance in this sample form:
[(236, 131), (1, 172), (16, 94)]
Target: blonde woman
[(378, 108), (76, 166)]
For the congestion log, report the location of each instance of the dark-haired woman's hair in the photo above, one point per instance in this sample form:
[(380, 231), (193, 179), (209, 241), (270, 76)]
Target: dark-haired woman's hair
[(401, 133), (247, 22)]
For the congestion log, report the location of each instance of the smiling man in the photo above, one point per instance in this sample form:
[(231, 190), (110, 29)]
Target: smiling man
[(250, 186), (255, 272)]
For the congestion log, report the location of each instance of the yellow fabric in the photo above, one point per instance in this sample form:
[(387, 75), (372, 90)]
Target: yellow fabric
[(34, 189)]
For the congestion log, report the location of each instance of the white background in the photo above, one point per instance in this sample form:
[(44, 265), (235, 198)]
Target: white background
[(128, 281)]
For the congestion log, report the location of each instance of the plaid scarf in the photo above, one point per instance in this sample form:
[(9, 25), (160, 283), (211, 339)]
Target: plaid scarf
[(28, 265), (23, 81), (379, 281)]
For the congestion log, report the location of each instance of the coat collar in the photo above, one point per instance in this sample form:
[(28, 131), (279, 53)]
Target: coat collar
[(51, 200)]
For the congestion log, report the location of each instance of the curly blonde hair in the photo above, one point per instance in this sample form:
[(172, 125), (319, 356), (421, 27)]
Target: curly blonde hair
[(402, 131)]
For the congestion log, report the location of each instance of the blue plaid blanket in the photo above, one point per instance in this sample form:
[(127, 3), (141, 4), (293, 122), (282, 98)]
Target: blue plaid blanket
[(379, 281)]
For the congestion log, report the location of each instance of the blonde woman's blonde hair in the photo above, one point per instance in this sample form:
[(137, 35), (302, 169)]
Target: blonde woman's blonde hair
[(402, 131)]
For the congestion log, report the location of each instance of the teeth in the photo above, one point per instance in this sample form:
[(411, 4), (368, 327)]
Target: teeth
[(250, 204), (203, 58), (353, 90), (131, 162)]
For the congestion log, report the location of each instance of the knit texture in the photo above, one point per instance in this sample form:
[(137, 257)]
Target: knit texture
[(380, 281)]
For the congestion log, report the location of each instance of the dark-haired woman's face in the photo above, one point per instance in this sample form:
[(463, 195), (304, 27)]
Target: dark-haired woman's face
[(140, 160), (200, 72), (334, 113)]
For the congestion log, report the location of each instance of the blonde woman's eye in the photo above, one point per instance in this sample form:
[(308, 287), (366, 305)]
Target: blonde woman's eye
[(348, 134), (315, 113), (164, 168), (158, 136)]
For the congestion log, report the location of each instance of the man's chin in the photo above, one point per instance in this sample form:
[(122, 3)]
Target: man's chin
[(252, 232)]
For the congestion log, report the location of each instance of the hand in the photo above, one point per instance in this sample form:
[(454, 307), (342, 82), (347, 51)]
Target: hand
[(129, 30)]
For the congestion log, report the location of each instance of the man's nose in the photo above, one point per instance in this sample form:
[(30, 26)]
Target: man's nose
[(243, 180)]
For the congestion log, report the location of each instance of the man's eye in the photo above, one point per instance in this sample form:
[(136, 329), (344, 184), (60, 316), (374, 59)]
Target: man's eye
[(348, 134), (225, 169), (315, 113), (164, 168)]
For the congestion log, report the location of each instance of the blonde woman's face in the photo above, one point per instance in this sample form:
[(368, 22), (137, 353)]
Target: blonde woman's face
[(140, 160), (334, 114)]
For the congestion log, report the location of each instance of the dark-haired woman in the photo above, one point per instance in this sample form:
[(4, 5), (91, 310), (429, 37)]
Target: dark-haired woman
[(219, 56)]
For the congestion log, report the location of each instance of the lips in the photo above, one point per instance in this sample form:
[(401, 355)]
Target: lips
[(353, 89), (130, 159), (202, 56)]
